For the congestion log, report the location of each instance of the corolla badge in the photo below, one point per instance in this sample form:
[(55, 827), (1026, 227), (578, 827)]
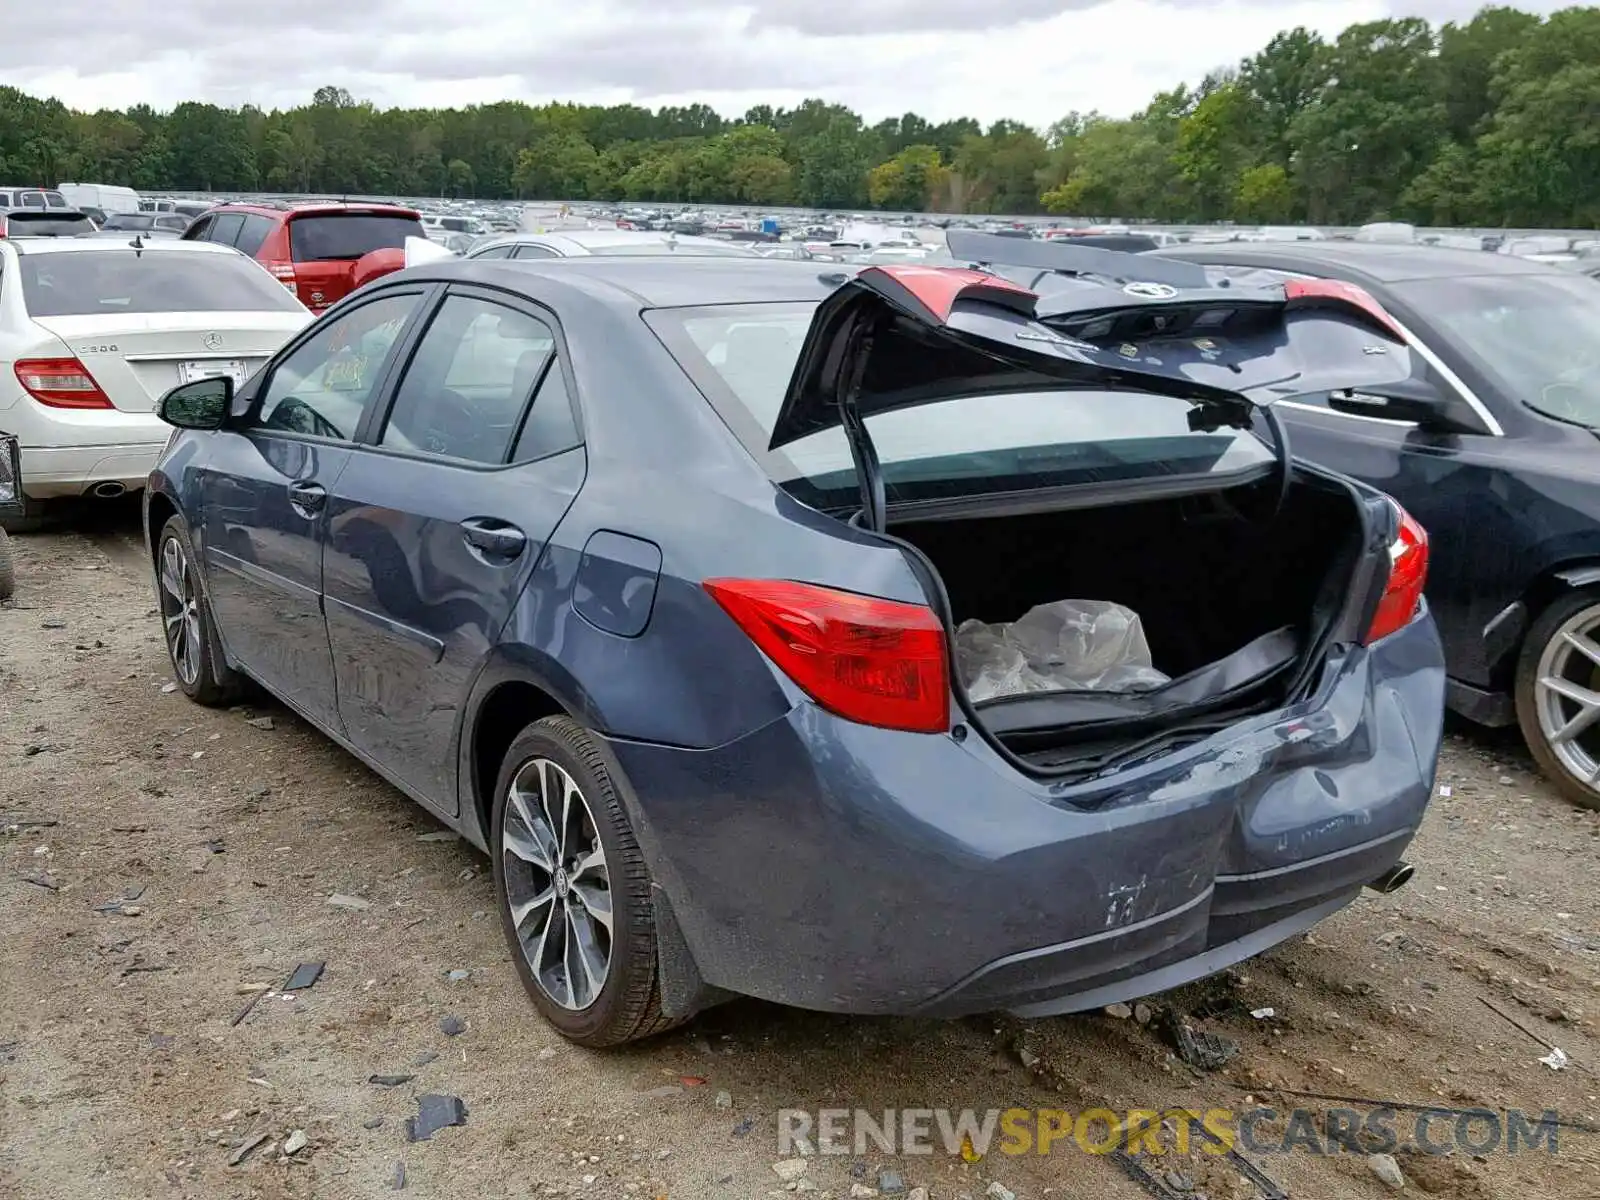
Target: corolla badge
[(212, 341), (1148, 290)]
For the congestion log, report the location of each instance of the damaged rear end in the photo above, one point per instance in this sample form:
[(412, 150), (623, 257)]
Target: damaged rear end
[(1173, 696)]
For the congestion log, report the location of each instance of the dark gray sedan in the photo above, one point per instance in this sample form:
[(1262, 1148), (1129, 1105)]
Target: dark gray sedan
[(894, 641)]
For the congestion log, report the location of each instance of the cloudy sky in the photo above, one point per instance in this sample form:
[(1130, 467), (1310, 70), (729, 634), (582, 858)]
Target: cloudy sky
[(1031, 60)]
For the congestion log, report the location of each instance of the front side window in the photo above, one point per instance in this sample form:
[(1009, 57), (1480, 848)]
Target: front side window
[(325, 385), (495, 252), (463, 393), (1536, 336)]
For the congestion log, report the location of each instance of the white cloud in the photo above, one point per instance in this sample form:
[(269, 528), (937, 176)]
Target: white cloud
[(1030, 60)]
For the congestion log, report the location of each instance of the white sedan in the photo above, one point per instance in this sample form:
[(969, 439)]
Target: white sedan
[(94, 331)]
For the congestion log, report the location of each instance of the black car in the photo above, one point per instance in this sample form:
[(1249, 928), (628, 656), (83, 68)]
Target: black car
[(1492, 447)]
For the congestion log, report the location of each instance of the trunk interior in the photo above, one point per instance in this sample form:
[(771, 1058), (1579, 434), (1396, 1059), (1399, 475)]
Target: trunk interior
[(1233, 606)]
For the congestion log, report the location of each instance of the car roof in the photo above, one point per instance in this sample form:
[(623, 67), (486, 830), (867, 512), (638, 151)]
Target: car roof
[(299, 208), (651, 281), (1383, 262), (47, 245), (589, 239)]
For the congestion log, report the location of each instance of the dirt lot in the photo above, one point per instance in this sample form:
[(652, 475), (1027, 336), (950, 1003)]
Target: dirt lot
[(161, 863)]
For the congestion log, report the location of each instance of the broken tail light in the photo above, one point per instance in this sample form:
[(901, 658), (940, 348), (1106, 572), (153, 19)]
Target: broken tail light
[(877, 662), (1408, 575), (1335, 293)]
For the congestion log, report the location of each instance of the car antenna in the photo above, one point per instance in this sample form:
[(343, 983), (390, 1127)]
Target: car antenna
[(138, 245)]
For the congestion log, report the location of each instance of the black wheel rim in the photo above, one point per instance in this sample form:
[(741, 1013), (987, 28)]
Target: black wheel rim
[(180, 611), (557, 884)]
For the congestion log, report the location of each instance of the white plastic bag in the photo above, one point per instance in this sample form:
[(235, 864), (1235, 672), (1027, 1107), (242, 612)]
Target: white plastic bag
[(1066, 645)]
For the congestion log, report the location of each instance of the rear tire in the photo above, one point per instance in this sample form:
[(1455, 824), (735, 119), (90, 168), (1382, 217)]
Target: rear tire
[(37, 516), (1558, 695), (186, 621), (574, 890)]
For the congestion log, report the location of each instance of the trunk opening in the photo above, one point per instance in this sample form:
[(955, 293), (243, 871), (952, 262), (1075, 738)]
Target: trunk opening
[(1237, 609)]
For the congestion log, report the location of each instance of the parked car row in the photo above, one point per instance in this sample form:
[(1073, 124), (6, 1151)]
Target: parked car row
[(626, 561)]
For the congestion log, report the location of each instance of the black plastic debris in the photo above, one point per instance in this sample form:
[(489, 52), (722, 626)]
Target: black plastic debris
[(390, 1080), (304, 976), (434, 1112), (1201, 1050)]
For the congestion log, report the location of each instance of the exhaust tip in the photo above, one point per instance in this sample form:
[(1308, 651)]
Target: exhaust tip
[(1395, 878), (109, 490)]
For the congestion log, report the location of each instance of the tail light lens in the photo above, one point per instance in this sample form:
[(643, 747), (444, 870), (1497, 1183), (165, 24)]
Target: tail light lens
[(60, 383), (877, 662), (283, 272), (1408, 573), (1306, 293)]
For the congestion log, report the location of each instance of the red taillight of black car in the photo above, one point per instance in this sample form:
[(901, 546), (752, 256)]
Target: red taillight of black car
[(1408, 574), (874, 661)]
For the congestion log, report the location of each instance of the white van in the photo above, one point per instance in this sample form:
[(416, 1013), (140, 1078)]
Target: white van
[(104, 196)]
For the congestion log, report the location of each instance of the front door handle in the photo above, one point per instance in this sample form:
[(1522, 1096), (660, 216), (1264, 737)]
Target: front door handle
[(307, 499), (494, 537)]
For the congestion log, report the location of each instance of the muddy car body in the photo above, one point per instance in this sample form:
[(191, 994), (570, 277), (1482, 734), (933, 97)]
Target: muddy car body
[(687, 672)]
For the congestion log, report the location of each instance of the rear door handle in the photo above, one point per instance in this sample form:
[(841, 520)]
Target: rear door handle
[(494, 537), (307, 498)]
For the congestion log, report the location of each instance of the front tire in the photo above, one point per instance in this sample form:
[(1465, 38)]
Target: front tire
[(1558, 695), (574, 890), (186, 621)]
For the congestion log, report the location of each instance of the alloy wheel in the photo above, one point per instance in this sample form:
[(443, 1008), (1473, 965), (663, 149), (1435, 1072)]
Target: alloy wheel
[(557, 884), (180, 611), (1567, 694)]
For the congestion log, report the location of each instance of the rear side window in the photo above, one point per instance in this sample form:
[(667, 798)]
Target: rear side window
[(225, 228), (31, 199), (121, 281), (531, 250), (496, 252), (741, 357), (252, 235), (332, 237)]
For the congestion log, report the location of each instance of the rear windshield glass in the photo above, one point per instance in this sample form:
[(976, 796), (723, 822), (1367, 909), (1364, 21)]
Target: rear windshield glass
[(741, 357), (335, 236), (121, 281), (47, 224), (130, 221)]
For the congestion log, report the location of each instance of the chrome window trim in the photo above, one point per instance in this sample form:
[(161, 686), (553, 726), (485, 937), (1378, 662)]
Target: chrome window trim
[(1428, 356)]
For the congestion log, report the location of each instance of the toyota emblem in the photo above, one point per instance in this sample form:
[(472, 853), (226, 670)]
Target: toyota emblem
[(1150, 291), (212, 341)]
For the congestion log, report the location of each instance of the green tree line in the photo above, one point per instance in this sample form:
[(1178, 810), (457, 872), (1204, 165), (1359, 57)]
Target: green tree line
[(1492, 121)]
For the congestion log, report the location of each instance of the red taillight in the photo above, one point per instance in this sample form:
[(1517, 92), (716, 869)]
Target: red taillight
[(1408, 574), (60, 383), (1303, 293), (878, 662), (283, 272)]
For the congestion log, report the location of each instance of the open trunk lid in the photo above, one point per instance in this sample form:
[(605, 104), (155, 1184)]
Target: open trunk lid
[(898, 336)]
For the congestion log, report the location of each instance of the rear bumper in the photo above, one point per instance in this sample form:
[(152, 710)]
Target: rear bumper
[(65, 452), (832, 866)]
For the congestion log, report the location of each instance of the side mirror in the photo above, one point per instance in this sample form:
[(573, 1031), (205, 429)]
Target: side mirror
[(1416, 400), (198, 404)]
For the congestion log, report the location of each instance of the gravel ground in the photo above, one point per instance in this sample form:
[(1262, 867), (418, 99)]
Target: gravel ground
[(162, 864)]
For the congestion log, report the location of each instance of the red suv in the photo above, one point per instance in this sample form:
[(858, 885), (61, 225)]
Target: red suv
[(312, 248)]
